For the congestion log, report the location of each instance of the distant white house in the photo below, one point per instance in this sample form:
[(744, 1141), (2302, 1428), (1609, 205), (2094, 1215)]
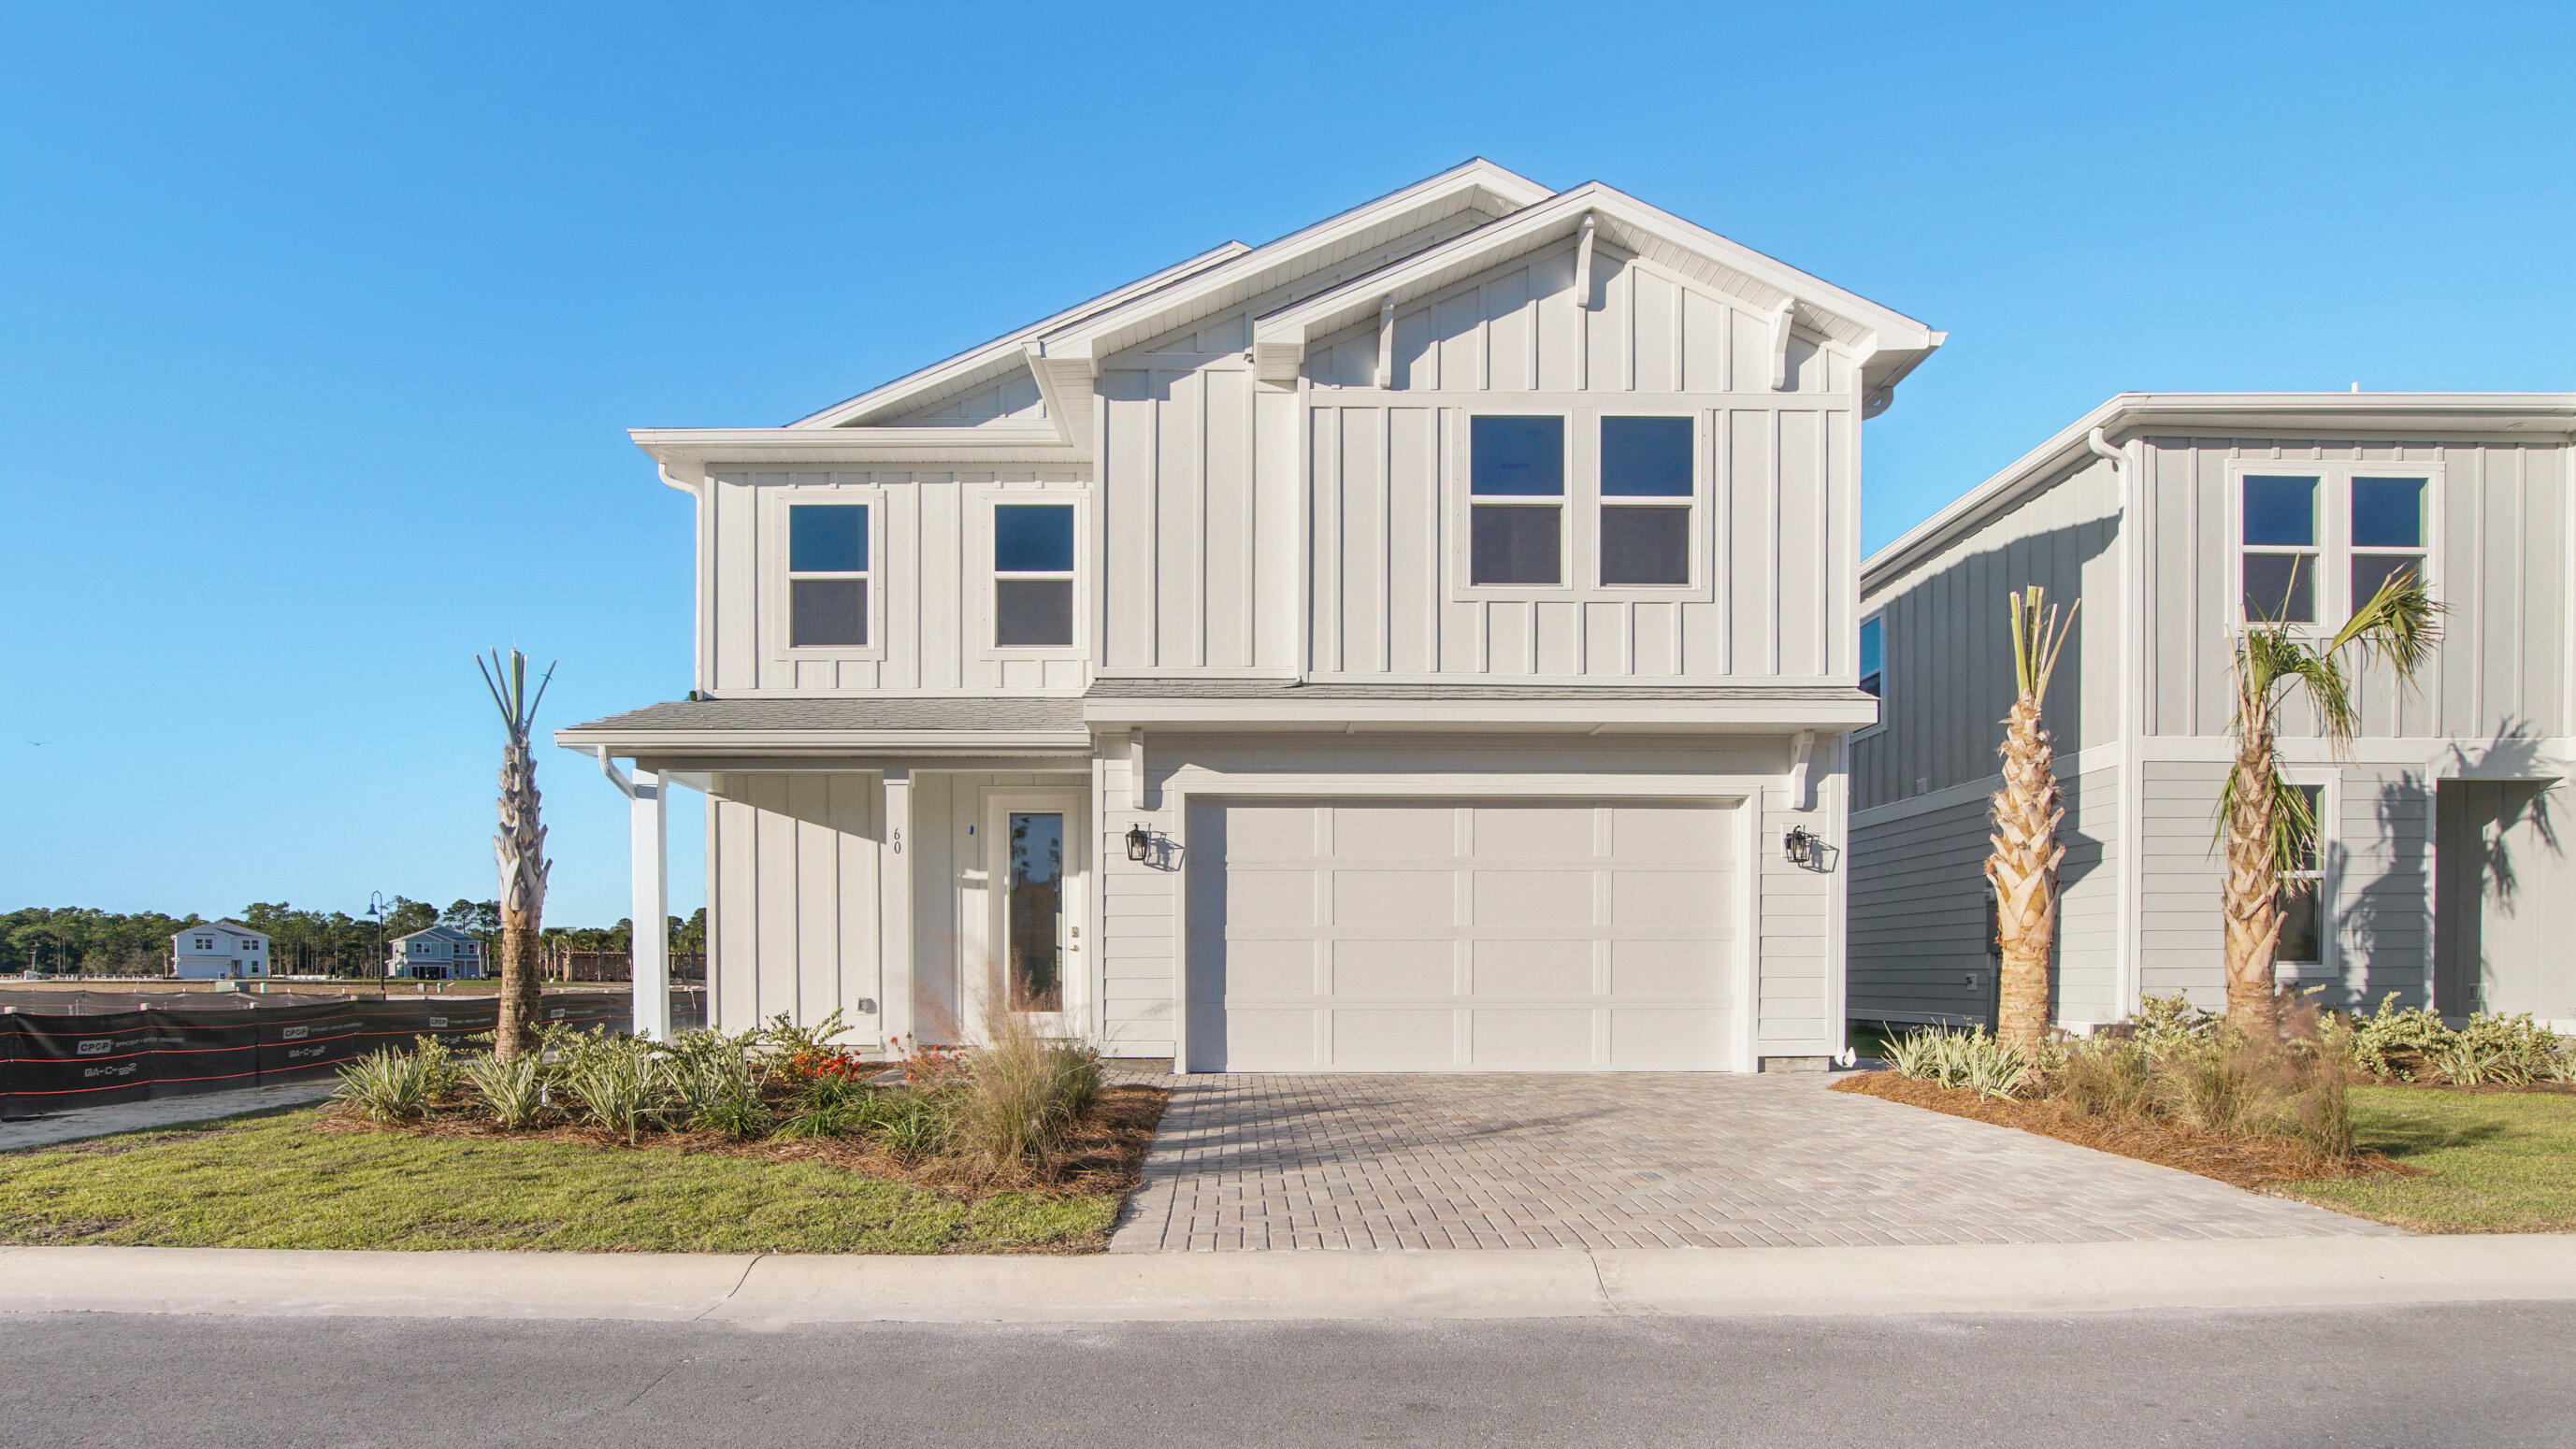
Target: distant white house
[(216, 950), (441, 953)]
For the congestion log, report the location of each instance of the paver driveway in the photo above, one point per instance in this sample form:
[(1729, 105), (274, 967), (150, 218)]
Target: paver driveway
[(1640, 1161)]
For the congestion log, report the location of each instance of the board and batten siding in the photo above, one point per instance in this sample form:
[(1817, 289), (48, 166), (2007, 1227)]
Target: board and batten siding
[(1774, 546), (1949, 645), (792, 866), (931, 583), (2501, 566)]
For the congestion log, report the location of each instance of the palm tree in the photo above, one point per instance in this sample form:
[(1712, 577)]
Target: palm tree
[(2023, 863), (2265, 826), (520, 849)]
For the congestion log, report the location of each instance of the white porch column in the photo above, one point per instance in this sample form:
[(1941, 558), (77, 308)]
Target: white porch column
[(894, 910), (648, 832)]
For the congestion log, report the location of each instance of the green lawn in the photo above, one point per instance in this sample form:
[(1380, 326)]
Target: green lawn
[(2493, 1163), (273, 1182)]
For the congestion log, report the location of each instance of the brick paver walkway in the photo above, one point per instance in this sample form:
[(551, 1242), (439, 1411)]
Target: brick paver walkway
[(1640, 1161)]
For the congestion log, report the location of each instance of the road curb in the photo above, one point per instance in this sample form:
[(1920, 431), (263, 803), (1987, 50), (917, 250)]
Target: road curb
[(772, 1290)]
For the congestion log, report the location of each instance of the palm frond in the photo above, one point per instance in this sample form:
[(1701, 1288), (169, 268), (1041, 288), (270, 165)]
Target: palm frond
[(2401, 624), (2038, 639), (2294, 822), (2329, 688)]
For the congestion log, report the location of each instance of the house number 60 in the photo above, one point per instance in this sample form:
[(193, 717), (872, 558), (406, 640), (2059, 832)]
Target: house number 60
[(898, 842)]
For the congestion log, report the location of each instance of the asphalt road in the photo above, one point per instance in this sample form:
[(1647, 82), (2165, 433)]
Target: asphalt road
[(2489, 1375)]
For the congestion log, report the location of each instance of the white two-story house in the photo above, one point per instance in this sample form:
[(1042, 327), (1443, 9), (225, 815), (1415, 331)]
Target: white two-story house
[(2442, 873), (1423, 642), (218, 950)]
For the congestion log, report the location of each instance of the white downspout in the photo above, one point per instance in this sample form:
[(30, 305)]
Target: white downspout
[(2127, 968)]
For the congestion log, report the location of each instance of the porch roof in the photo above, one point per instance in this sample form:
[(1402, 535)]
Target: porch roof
[(978, 723), (1592, 707)]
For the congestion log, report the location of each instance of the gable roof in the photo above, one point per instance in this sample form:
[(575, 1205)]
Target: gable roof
[(228, 926), (443, 932), (2130, 413), (1203, 285), (1888, 342), (1312, 281)]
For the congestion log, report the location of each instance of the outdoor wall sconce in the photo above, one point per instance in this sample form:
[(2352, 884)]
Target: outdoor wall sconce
[(1799, 846), (1140, 843)]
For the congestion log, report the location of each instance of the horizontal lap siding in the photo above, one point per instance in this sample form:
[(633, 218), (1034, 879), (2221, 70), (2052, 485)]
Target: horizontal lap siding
[(1798, 987), (931, 570), (1918, 911), (2384, 884), (1918, 917), (2181, 945)]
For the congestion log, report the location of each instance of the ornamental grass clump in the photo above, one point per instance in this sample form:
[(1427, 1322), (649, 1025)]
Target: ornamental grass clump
[(1986, 1065), (390, 1085), (1018, 1094), (513, 1089)]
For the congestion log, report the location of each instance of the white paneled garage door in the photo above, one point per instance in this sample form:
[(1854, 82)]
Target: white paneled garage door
[(1483, 935)]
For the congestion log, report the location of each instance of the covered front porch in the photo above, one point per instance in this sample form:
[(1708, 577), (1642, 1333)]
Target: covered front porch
[(918, 867)]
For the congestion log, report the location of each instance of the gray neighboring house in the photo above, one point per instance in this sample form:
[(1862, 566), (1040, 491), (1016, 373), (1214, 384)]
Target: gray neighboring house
[(2443, 874), (440, 953)]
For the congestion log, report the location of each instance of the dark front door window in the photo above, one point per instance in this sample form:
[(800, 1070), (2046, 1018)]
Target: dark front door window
[(1036, 911)]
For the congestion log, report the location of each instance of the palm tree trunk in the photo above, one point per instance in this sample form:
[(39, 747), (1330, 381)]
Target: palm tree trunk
[(2251, 899), (520, 852), (2023, 869)]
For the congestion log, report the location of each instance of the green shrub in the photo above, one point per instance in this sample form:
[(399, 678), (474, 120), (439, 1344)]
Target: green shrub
[(719, 1081), (513, 1092), (2395, 1045), (914, 1124), (2416, 1045)]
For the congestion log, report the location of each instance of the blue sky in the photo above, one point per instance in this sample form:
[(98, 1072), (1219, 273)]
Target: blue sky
[(320, 326)]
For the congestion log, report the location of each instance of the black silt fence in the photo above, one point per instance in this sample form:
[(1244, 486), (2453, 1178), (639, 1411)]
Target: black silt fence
[(51, 1062)]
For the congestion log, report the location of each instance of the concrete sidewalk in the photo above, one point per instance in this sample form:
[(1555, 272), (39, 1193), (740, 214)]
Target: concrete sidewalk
[(760, 1290), (82, 1123)]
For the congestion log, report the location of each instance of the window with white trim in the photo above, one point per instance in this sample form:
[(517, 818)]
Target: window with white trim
[(1033, 555), (2313, 545), (1873, 657), (2303, 912), (1516, 494), (1647, 487), (205, 943), (827, 575)]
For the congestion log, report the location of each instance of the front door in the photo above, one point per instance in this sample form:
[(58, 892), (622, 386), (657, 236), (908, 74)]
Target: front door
[(1035, 861)]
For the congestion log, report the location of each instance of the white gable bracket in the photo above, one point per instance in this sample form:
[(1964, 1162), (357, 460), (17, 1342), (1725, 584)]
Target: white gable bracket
[(1583, 263), (1781, 320), (1801, 755), (1053, 375), (1386, 343)]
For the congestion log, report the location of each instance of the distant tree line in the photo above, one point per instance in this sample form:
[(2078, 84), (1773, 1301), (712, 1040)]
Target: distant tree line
[(79, 941)]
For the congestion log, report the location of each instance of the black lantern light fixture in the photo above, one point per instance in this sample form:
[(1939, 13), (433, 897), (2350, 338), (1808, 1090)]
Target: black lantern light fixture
[(1140, 842), (1798, 845)]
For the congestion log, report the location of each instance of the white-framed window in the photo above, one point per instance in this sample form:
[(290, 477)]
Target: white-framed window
[(1516, 500), (204, 943), (2307, 919), (829, 593), (2313, 542), (1034, 550), (1873, 656), (1649, 484)]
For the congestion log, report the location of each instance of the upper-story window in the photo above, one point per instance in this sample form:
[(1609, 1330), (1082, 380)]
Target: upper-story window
[(1033, 575), (205, 943), (2313, 546), (1516, 486), (1646, 494), (1873, 657), (827, 575)]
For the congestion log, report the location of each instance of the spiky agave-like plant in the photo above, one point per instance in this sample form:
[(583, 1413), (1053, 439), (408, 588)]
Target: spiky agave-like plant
[(520, 851), (2265, 827), (2022, 866)]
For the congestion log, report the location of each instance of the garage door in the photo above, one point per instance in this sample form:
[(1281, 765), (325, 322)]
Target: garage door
[(1477, 935)]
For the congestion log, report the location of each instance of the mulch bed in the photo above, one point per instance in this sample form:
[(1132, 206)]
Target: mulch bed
[(2248, 1162), (1103, 1153)]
